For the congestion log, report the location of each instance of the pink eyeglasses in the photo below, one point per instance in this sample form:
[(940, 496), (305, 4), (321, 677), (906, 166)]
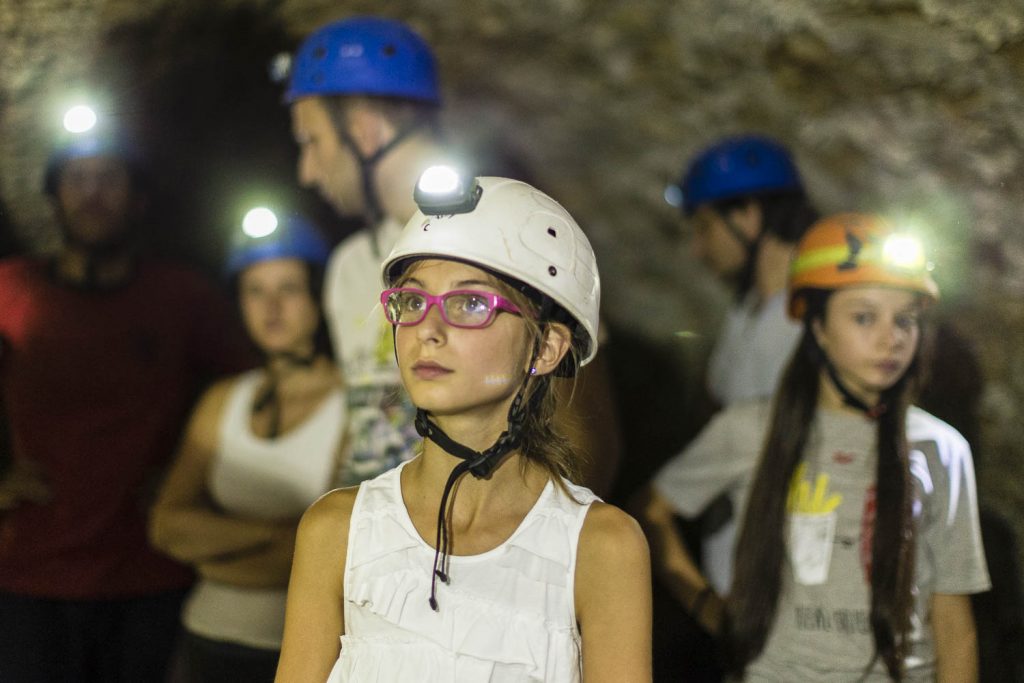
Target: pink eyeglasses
[(467, 308)]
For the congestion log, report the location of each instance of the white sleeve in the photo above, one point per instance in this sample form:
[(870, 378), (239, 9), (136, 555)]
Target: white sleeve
[(720, 459), (952, 532)]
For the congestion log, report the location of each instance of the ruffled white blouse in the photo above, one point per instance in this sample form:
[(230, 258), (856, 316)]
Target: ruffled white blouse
[(507, 615)]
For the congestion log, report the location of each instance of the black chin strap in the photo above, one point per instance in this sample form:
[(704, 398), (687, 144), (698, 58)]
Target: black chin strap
[(746, 277), (374, 213), (268, 399), (849, 399), (480, 463)]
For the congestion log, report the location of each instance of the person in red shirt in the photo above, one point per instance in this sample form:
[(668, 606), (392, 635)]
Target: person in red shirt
[(102, 353)]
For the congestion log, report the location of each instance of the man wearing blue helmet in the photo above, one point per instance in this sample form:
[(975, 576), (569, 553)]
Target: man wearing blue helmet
[(365, 98), (102, 352), (746, 203)]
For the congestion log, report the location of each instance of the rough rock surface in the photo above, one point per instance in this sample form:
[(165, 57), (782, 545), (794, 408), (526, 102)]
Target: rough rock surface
[(910, 106)]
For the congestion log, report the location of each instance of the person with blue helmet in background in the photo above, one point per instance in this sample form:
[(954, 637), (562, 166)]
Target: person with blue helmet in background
[(746, 203), (365, 99), (259, 449), (103, 351), (747, 206)]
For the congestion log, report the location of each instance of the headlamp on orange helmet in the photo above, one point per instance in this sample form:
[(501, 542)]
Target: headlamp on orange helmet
[(857, 250)]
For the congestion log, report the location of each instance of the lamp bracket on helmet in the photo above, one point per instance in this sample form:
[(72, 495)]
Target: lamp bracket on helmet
[(443, 191)]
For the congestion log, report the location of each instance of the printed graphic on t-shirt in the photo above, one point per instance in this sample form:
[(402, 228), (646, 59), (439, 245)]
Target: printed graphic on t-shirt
[(812, 526), (382, 428)]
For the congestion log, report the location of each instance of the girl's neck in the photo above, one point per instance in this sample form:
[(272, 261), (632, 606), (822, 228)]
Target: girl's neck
[(514, 476), (288, 374), (830, 398)]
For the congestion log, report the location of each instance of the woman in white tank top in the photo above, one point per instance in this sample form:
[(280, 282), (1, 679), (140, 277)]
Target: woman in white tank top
[(259, 449), (513, 573)]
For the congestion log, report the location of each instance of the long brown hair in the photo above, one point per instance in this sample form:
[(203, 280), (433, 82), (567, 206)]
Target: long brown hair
[(761, 548)]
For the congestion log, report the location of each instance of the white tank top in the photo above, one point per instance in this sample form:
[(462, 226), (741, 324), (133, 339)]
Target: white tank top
[(507, 616), (268, 479), (274, 478)]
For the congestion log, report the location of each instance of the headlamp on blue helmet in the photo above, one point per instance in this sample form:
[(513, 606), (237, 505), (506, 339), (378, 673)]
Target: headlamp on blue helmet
[(264, 237), (732, 168), (364, 56)]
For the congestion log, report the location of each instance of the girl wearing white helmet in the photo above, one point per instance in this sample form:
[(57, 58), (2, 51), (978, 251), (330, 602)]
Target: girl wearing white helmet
[(259, 449), (479, 560)]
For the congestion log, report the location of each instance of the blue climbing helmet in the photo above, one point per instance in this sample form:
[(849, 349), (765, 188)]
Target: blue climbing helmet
[(264, 238), (734, 167), (364, 56)]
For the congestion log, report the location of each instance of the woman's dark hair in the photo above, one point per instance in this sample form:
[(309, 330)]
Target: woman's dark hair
[(761, 548)]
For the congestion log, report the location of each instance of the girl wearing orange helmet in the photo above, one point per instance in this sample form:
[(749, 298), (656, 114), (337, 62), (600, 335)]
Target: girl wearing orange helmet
[(860, 543)]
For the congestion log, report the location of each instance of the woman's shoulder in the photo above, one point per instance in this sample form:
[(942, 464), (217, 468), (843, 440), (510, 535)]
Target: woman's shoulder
[(923, 426), (612, 554), (217, 394), (325, 523), (609, 532)]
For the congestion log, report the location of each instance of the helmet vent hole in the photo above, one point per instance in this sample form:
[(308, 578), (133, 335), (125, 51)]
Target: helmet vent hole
[(552, 232), (320, 52), (389, 50), (552, 271)]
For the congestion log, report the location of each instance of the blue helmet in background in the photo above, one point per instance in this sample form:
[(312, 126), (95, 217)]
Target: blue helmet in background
[(735, 167), (293, 237), (364, 56)]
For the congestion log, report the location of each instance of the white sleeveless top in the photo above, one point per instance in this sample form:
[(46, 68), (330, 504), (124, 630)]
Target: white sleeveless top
[(507, 616), (274, 479)]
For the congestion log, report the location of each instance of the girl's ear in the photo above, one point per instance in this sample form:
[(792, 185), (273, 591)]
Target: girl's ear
[(554, 345)]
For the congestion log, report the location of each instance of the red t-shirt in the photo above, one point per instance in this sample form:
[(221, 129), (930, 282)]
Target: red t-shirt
[(96, 387)]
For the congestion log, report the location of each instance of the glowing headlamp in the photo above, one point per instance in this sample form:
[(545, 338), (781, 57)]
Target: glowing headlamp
[(904, 252), (442, 191), (259, 222), (80, 119)]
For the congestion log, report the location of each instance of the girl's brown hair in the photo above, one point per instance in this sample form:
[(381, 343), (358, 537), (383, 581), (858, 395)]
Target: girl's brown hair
[(761, 547)]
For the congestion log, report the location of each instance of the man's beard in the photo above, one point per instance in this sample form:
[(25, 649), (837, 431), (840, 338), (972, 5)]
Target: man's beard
[(113, 240)]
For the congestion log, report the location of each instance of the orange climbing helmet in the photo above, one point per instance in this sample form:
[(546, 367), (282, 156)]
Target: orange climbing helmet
[(856, 249)]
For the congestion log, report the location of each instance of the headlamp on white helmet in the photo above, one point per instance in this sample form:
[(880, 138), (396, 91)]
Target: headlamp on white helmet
[(516, 232), (442, 190)]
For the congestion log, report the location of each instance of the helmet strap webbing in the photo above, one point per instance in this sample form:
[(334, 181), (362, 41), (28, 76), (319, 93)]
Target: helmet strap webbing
[(374, 212), (751, 246), (849, 399), (480, 463), (269, 398)]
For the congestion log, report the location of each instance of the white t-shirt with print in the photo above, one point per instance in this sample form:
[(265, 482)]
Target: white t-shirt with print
[(822, 628), (380, 417)]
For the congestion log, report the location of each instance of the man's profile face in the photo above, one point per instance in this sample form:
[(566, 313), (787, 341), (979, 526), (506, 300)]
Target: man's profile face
[(714, 245), (96, 200), (325, 162)]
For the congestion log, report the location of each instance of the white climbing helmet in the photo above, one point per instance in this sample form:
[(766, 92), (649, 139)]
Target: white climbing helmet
[(514, 230)]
